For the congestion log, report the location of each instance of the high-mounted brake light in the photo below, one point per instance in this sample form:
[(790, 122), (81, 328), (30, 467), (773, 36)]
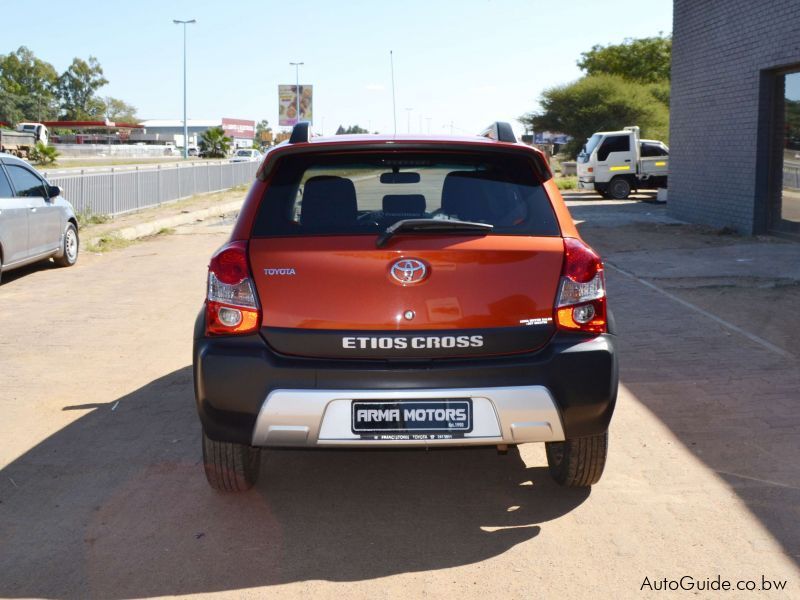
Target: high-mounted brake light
[(231, 304), (581, 303)]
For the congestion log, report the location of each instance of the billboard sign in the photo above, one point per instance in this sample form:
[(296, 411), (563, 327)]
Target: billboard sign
[(239, 128), (287, 104), (550, 137)]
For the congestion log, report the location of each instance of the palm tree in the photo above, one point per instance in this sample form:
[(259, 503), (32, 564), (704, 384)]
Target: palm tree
[(43, 155), (214, 143)]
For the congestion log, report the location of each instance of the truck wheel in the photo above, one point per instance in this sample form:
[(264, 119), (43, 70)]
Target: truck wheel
[(230, 467), (578, 462), (69, 252), (619, 188)]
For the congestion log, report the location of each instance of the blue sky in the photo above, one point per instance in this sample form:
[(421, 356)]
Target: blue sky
[(469, 61)]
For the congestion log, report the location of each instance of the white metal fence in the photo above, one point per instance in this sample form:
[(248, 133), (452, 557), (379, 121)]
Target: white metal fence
[(791, 176), (117, 192)]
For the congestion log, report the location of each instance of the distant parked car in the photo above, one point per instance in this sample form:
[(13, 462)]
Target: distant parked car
[(246, 155), (36, 221), (193, 152)]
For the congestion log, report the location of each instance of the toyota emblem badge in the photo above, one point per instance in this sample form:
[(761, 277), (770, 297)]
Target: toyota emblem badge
[(408, 270)]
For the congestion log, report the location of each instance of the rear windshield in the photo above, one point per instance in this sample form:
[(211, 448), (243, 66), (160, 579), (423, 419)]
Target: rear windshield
[(364, 194)]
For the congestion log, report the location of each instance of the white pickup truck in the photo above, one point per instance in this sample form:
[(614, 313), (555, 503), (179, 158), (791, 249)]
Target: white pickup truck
[(614, 163)]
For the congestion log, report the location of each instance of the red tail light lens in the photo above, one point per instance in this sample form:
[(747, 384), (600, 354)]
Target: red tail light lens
[(581, 303), (231, 303)]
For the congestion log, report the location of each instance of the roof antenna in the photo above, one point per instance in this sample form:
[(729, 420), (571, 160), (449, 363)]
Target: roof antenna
[(394, 105)]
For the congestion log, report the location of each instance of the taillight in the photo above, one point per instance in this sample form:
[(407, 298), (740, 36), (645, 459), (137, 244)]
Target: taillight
[(581, 303), (231, 304)]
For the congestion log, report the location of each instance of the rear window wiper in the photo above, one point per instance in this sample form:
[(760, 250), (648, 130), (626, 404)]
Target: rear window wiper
[(431, 225)]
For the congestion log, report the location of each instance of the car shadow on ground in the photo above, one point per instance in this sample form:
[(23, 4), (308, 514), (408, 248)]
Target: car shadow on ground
[(115, 505), (9, 277)]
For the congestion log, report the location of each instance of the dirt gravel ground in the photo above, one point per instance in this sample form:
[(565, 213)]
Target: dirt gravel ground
[(102, 493)]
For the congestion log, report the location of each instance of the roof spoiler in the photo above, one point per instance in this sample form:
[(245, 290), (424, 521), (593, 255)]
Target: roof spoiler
[(499, 131), (301, 133)]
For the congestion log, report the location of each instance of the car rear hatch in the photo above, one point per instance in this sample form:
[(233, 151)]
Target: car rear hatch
[(329, 286)]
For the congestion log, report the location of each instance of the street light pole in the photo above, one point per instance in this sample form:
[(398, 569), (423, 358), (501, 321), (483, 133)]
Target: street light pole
[(408, 120), (185, 123), (296, 66)]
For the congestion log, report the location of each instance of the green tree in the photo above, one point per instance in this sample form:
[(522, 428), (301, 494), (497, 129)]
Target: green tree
[(44, 155), (28, 87), (262, 126), (646, 60), (118, 110), (77, 87), (350, 129), (9, 113), (214, 143), (599, 103)]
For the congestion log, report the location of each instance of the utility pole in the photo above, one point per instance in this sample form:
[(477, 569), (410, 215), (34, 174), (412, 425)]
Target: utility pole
[(394, 104), (297, 66), (185, 124)]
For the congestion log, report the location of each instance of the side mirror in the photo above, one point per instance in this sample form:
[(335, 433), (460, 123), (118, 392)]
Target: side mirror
[(53, 191)]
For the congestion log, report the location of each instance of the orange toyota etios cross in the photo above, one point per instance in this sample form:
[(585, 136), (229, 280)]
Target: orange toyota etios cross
[(406, 292)]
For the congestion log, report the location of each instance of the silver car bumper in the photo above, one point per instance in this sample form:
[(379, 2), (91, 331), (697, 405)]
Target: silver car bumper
[(501, 415)]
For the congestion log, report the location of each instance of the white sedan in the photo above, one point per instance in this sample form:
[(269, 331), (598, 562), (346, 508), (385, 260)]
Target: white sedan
[(246, 155)]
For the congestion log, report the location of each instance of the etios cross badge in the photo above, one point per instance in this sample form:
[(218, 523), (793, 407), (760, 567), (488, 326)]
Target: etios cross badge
[(408, 270)]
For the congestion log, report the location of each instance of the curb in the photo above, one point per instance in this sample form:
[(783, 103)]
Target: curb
[(141, 230)]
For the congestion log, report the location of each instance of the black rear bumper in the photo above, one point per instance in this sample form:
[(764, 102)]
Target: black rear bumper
[(233, 376)]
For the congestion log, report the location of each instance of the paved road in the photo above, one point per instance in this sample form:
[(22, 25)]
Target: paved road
[(102, 494)]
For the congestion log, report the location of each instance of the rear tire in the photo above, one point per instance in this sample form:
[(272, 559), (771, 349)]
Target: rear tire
[(69, 250), (230, 467), (578, 462), (619, 188)]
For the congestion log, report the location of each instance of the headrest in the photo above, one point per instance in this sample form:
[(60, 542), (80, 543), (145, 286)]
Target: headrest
[(328, 201), (404, 206), (464, 195)]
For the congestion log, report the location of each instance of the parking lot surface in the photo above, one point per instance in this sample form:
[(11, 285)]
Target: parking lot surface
[(102, 493)]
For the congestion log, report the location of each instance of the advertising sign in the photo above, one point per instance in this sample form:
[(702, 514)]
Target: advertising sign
[(239, 128), (550, 137), (287, 104)]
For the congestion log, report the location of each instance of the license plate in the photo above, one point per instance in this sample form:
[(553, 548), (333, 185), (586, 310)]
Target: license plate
[(412, 419)]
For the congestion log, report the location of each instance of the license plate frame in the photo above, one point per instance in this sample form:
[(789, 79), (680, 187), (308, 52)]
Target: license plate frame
[(436, 418)]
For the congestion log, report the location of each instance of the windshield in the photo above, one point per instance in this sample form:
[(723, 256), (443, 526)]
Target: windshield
[(589, 147), (367, 193), (243, 153)]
